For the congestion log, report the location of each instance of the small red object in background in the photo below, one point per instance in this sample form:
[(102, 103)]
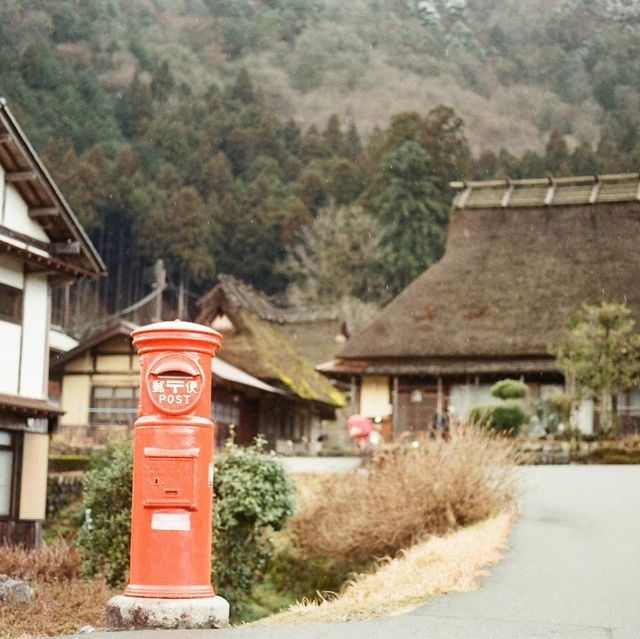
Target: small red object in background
[(360, 429)]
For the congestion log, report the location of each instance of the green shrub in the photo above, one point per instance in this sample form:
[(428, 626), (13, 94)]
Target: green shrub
[(106, 530), (509, 389), (253, 495), (303, 576), (506, 417)]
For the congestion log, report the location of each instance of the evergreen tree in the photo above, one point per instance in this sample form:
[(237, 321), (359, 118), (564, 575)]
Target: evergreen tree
[(162, 82), (333, 135), (352, 144), (412, 215), (557, 154), (242, 90), (600, 354), (134, 109), (311, 189), (584, 160), (346, 181)]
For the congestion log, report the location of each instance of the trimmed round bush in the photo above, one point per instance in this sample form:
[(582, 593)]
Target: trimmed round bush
[(509, 389), (507, 417)]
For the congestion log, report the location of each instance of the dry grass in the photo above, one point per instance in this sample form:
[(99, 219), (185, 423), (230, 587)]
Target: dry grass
[(308, 485), (58, 562), (453, 563), (428, 486), (59, 609), (64, 602)]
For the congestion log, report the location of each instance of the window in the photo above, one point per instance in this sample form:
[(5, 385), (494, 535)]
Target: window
[(114, 405), (6, 472), (10, 304), (226, 414)]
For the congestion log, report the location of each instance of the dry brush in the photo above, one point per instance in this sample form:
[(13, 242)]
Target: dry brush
[(426, 486)]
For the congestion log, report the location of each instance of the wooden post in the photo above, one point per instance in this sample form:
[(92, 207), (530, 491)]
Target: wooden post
[(354, 397), (66, 313), (396, 404), (440, 400)]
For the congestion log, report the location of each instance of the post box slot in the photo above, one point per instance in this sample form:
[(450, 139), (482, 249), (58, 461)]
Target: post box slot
[(176, 366), (169, 477)]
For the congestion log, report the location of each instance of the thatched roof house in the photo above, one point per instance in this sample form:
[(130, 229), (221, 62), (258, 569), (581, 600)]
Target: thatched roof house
[(255, 341), (521, 256), (99, 381)]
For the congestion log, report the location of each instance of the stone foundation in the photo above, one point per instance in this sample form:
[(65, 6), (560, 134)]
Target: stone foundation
[(138, 613)]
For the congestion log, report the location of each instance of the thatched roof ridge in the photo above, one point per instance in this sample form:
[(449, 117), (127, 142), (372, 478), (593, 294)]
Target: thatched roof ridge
[(551, 191), (243, 296), (508, 281), (259, 345)]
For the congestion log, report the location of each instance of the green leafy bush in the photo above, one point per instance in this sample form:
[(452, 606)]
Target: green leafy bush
[(302, 576), (106, 530), (509, 389), (253, 495), (506, 417), (555, 410)]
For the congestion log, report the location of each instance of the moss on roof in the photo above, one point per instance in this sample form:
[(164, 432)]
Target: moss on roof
[(277, 354)]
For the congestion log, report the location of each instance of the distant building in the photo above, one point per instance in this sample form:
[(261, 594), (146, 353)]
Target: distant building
[(521, 257), (259, 339), (99, 382), (42, 245)]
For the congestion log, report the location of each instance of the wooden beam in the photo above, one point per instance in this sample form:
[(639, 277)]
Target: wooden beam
[(45, 211), (66, 248), (395, 399), (20, 176), (353, 396), (5, 137), (440, 400)]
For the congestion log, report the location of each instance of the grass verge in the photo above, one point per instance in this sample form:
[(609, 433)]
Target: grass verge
[(444, 564), (60, 608)]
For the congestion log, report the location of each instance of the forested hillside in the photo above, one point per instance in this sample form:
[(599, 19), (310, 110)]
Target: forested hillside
[(233, 135)]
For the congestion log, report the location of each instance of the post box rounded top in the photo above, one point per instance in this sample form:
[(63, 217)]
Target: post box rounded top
[(176, 335)]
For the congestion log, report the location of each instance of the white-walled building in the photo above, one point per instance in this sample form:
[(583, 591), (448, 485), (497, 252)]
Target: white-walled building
[(42, 245)]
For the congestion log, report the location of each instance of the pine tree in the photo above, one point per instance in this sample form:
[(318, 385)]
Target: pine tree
[(352, 144), (412, 215), (557, 154), (162, 82), (333, 135)]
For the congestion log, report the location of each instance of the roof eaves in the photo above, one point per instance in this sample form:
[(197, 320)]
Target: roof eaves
[(74, 226), (122, 327)]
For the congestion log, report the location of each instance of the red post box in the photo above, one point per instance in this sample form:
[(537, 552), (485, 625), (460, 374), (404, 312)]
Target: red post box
[(173, 463)]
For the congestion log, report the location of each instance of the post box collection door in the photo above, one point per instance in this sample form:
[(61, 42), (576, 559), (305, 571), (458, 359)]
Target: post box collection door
[(173, 462)]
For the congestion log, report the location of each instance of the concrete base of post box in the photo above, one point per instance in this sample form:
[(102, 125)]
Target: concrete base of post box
[(137, 613)]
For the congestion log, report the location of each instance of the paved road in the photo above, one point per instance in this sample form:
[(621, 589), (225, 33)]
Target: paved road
[(573, 572), (324, 465)]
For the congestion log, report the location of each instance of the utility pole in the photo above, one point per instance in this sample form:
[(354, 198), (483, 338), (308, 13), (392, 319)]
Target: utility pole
[(160, 276)]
